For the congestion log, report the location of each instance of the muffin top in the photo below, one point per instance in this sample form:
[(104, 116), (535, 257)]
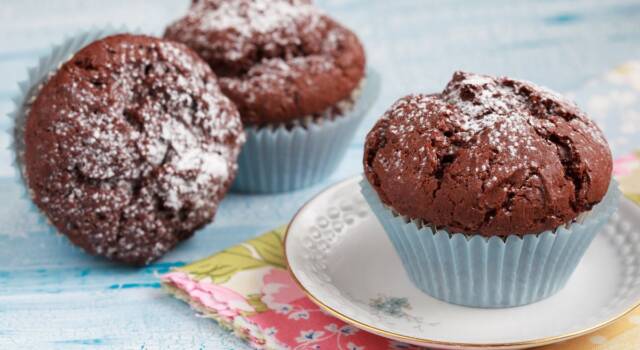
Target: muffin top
[(130, 145), (278, 60), (489, 156)]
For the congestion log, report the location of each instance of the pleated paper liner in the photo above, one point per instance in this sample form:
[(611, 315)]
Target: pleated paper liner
[(281, 159), (477, 271)]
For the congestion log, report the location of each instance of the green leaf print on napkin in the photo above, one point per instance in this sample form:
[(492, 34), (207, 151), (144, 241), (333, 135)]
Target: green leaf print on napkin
[(265, 250), (255, 300)]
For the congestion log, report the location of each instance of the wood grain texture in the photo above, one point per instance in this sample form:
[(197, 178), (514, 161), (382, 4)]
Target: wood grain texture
[(54, 296)]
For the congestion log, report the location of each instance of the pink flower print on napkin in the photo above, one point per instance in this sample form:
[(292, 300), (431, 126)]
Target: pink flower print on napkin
[(278, 290), (296, 322), (226, 302), (624, 166)]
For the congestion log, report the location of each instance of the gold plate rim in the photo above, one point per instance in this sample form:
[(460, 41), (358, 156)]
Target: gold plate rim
[(426, 341)]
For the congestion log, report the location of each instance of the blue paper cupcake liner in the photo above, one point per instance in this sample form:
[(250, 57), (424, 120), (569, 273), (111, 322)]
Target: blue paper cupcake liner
[(284, 159), (496, 272), (27, 91)]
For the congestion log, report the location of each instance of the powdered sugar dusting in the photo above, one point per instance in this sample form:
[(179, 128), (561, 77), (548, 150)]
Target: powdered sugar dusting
[(505, 106), (172, 139), (257, 17), (240, 25), (502, 109)]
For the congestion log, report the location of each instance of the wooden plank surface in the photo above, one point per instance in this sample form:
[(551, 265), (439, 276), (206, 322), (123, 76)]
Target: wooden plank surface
[(54, 296)]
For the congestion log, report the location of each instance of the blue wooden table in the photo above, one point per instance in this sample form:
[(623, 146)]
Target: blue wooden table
[(54, 296)]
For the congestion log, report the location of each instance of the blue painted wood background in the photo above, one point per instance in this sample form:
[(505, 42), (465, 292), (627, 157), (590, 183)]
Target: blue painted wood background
[(54, 296)]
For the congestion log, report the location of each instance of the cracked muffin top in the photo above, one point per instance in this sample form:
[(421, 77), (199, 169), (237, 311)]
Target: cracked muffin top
[(489, 156), (130, 146), (278, 60)]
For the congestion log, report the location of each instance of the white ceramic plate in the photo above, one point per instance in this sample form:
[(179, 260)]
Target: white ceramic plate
[(340, 256)]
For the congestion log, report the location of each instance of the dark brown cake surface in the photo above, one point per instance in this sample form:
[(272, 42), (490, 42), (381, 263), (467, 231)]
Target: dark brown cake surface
[(278, 60), (130, 146), (490, 156)]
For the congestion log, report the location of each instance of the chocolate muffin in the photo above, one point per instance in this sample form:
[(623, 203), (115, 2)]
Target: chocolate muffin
[(489, 156), (130, 146), (279, 60)]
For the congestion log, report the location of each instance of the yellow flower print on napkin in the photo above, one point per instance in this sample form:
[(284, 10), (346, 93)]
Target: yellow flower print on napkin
[(265, 250)]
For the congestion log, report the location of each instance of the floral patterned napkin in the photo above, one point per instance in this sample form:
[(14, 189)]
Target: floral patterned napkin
[(627, 171), (248, 290)]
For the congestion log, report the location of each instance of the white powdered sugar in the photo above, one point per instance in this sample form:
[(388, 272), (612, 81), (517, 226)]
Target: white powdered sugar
[(506, 111), (277, 22), (514, 117), (257, 17), (107, 151)]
